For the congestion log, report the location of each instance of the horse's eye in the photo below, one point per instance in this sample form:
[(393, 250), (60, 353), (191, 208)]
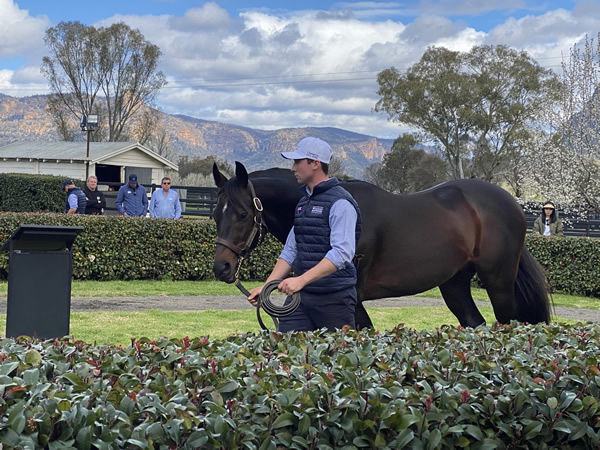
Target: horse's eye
[(243, 214)]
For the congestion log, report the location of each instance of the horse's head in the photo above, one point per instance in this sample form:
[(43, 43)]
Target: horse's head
[(238, 215)]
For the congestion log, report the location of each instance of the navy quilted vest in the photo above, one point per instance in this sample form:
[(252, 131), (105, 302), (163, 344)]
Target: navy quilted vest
[(312, 232), (81, 200)]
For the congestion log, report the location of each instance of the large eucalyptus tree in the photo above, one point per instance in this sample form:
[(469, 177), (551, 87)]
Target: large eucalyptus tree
[(479, 106), (112, 71)]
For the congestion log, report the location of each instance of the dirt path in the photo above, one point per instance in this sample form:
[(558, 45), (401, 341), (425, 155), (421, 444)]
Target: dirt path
[(199, 303)]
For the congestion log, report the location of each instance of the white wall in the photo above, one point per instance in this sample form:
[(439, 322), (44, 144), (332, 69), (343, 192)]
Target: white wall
[(134, 158), (13, 166), (64, 169), (157, 175)]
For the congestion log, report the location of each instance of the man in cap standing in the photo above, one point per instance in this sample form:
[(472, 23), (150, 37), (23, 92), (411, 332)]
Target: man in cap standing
[(320, 246), (132, 199), (76, 201)]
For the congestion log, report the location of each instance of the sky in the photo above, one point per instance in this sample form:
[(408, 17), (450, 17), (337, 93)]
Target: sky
[(276, 64)]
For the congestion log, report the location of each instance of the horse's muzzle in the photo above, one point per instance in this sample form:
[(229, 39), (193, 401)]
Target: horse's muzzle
[(224, 271)]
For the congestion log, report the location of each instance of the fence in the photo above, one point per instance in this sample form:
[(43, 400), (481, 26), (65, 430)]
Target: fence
[(201, 201), (573, 226)]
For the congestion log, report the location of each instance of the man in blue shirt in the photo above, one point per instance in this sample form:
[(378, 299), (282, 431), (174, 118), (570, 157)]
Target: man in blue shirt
[(132, 199), (320, 246), (165, 202), (76, 201)]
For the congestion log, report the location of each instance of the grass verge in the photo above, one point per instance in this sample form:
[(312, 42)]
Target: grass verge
[(119, 327)]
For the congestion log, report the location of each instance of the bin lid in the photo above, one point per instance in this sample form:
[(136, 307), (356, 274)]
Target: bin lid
[(41, 237)]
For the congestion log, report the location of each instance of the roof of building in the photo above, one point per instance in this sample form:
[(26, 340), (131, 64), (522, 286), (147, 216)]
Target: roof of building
[(62, 150)]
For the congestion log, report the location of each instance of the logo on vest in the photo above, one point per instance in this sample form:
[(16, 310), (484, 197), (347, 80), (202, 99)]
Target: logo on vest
[(317, 210), (299, 210)]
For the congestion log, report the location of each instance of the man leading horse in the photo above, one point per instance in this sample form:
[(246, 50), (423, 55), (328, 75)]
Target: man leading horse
[(320, 246)]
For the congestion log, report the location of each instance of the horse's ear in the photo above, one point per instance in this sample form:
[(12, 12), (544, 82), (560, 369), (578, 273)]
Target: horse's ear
[(220, 179), (241, 174)]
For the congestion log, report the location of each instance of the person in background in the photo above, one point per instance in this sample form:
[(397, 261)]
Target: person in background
[(319, 247), (76, 201), (548, 223), (95, 198), (165, 202), (132, 199)]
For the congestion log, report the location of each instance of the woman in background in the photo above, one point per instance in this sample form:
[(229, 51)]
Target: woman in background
[(548, 223)]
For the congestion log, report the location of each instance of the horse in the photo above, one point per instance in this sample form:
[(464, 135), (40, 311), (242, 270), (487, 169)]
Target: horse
[(409, 243)]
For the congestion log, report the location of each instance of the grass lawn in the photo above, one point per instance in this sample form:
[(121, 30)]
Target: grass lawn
[(120, 327)]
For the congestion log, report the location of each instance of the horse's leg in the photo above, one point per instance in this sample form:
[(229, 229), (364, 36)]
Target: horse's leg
[(361, 318), (457, 295), (500, 286)]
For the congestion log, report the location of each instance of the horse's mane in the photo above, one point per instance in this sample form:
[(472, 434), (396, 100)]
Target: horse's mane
[(273, 172)]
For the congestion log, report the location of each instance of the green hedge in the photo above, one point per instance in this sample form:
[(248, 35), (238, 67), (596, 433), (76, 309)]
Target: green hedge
[(521, 386), (132, 248), (32, 193), (126, 248), (572, 264)]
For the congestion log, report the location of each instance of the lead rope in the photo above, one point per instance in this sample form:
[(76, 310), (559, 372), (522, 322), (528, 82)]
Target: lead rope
[(238, 284), (264, 300)]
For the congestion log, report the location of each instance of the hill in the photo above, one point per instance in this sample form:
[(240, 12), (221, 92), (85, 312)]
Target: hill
[(25, 118)]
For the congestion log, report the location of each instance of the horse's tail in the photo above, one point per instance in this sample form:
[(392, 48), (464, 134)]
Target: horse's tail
[(531, 291)]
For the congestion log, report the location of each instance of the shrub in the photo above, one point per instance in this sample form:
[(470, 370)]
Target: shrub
[(32, 193), (572, 264), (518, 386), (132, 248)]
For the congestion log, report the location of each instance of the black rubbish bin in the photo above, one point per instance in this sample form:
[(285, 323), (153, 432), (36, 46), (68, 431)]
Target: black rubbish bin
[(40, 265)]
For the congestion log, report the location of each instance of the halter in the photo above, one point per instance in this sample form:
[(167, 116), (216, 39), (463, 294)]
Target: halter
[(242, 251)]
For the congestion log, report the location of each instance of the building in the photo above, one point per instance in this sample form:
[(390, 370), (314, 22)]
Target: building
[(111, 162)]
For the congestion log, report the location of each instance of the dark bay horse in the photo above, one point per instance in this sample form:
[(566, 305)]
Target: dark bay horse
[(410, 243)]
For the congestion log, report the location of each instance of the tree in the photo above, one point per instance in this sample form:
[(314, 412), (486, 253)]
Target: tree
[(565, 166), (407, 169), (198, 171), (203, 166), (109, 71), (148, 129), (337, 168), (478, 106)]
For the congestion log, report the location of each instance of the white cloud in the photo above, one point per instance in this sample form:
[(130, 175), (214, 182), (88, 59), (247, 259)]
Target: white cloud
[(267, 70), (271, 69), (546, 37), (20, 34), (22, 83), (210, 15)]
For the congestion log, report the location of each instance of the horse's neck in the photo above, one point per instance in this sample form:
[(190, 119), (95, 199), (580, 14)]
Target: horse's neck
[(279, 199)]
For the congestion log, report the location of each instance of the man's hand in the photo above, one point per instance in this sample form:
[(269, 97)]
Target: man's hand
[(254, 293), (290, 286)]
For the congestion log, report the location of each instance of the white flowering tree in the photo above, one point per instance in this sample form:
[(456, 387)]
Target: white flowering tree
[(565, 165)]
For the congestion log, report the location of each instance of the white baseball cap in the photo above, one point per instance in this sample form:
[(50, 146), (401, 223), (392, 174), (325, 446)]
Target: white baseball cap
[(311, 148)]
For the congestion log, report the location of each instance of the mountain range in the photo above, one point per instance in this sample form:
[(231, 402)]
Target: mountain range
[(26, 119)]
